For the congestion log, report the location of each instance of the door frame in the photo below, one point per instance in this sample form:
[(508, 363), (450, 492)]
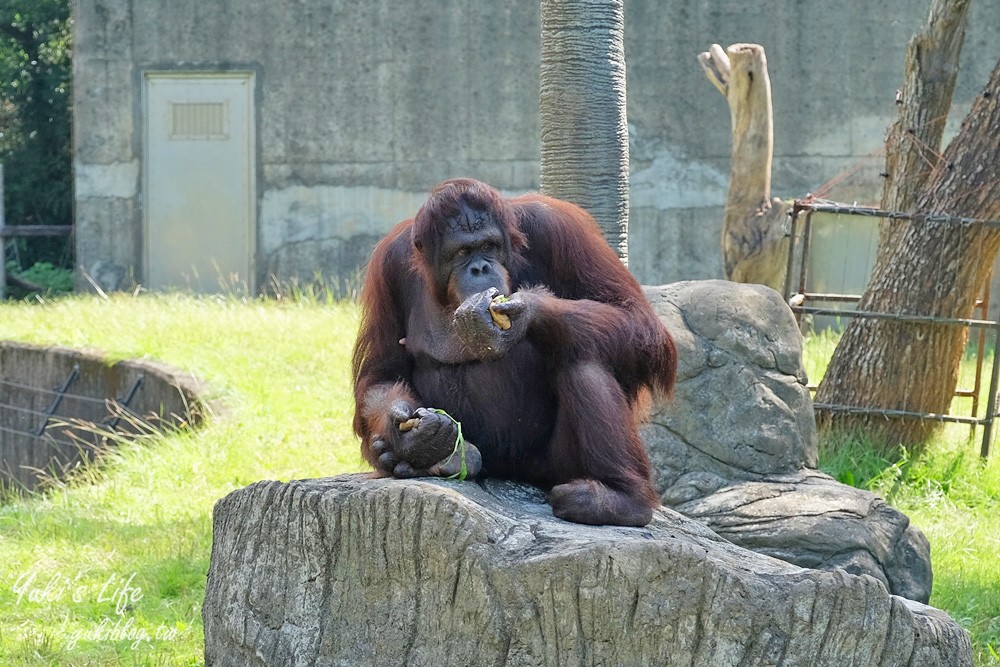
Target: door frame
[(248, 74)]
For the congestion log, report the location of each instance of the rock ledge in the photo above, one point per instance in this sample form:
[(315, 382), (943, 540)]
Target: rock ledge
[(358, 571)]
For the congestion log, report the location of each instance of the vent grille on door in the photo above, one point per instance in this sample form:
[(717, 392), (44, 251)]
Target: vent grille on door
[(198, 120)]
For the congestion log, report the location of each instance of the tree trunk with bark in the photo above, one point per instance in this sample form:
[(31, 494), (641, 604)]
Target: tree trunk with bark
[(913, 144), (582, 105), (754, 240), (927, 268)]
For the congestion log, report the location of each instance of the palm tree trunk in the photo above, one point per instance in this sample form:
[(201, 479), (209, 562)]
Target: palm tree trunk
[(582, 105)]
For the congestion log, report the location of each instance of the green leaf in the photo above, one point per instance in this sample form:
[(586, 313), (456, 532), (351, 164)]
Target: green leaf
[(459, 443)]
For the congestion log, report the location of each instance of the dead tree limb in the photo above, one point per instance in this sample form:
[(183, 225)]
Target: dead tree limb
[(754, 233)]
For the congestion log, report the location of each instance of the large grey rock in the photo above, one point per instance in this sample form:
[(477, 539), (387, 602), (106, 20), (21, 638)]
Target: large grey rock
[(741, 407), (736, 448), (358, 571), (811, 520)]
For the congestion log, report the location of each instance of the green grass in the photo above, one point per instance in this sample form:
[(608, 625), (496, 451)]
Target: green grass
[(281, 369), (949, 492)]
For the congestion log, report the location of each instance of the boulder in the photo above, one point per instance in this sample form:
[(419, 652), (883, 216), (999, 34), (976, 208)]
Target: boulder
[(812, 520), (736, 447), (359, 571), (741, 408)]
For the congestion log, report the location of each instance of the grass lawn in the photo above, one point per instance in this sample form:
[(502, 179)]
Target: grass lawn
[(949, 493), (110, 569)]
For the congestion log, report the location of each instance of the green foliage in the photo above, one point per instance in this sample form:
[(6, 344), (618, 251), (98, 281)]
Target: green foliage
[(52, 280), (35, 121)]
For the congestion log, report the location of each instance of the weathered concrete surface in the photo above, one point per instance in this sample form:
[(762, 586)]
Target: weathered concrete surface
[(363, 106), (29, 376), (736, 448), (355, 571)]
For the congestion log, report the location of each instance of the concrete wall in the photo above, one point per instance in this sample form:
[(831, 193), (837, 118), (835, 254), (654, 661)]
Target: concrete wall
[(363, 106), (28, 376)]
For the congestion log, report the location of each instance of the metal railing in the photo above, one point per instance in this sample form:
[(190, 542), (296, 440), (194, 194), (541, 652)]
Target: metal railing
[(799, 297)]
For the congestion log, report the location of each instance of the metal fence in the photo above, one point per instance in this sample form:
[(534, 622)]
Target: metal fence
[(806, 300)]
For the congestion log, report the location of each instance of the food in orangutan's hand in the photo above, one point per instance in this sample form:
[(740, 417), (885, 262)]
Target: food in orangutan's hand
[(500, 319)]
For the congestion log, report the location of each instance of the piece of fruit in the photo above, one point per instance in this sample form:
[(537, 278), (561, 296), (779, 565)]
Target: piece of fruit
[(500, 319), (408, 424)]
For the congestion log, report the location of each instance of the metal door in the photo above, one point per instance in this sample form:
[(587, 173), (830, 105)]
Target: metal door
[(199, 181)]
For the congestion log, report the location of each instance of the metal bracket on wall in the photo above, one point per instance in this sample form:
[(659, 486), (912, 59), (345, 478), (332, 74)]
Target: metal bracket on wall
[(123, 403), (60, 393)]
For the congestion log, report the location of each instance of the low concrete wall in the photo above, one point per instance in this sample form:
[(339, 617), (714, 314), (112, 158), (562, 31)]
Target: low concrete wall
[(34, 445)]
